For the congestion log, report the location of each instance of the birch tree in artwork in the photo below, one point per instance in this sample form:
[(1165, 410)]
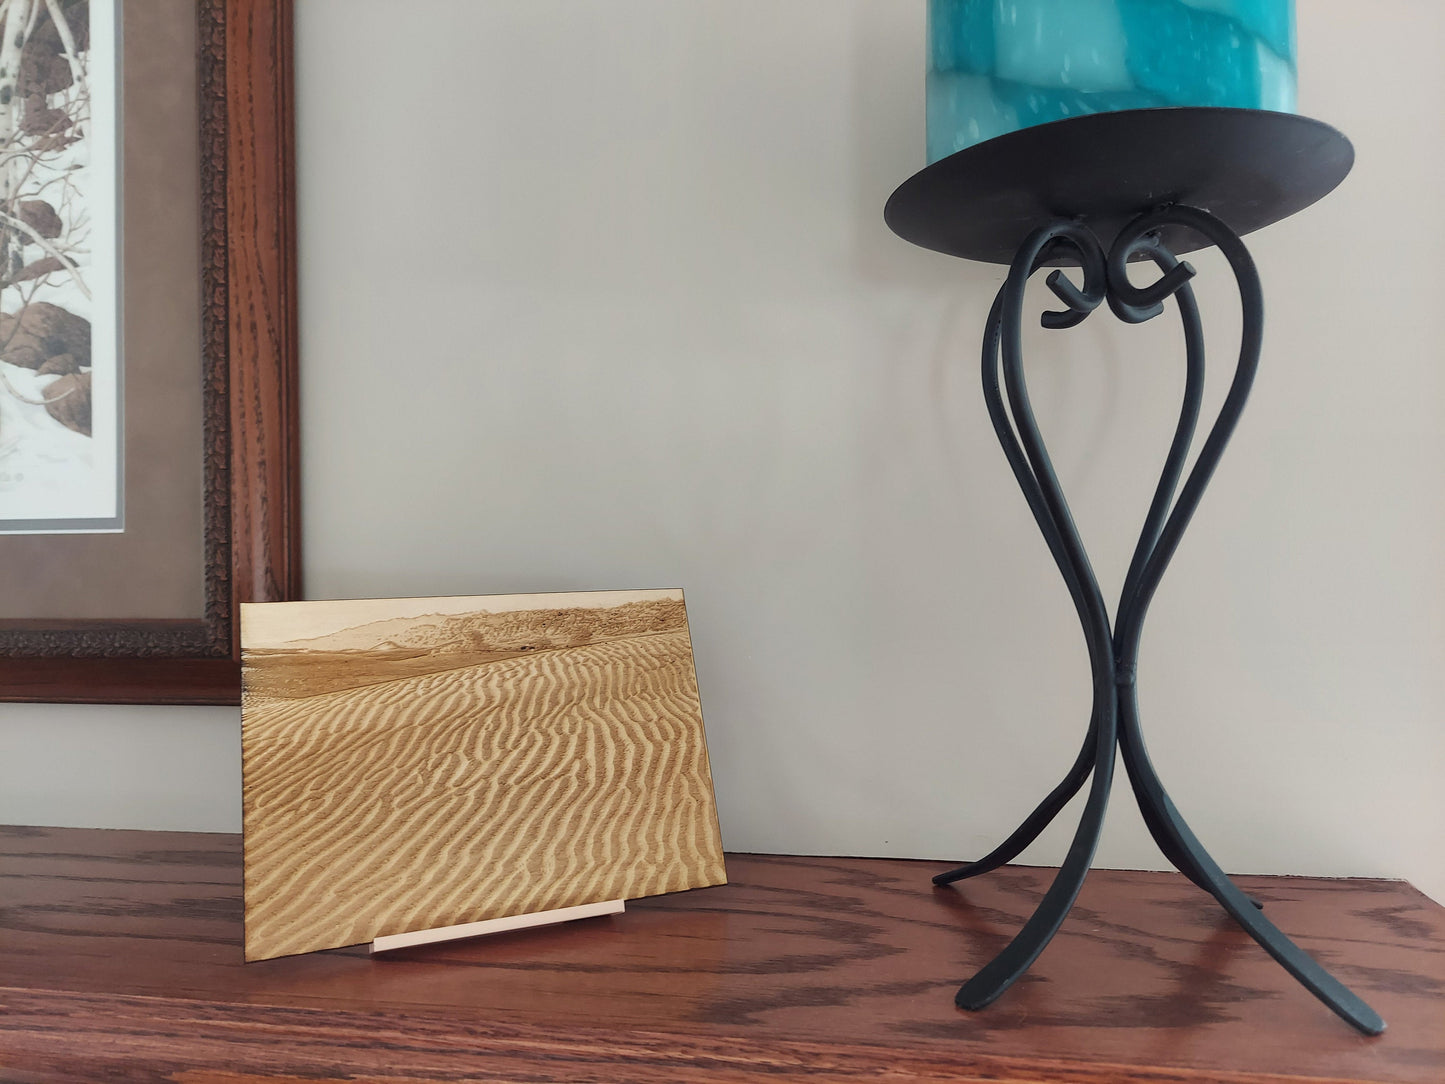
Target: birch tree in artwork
[(45, 112)]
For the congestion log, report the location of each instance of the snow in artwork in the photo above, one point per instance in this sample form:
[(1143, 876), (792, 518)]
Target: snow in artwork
[(60, 431)]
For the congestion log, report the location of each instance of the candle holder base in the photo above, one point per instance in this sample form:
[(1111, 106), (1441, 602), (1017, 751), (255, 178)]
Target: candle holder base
[(1247, 167)]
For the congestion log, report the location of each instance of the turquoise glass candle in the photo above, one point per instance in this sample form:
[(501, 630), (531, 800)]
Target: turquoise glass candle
[(998, 65)]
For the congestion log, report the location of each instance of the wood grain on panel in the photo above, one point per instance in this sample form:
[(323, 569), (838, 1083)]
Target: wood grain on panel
[(419, 763)]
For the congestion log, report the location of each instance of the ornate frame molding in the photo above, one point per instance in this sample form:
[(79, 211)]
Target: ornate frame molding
[(251, 434)]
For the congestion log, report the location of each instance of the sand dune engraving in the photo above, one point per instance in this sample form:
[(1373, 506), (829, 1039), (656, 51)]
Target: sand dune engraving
[(450, 765)]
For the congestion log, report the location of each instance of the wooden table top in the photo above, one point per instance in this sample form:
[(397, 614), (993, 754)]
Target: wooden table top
[(120, 958)]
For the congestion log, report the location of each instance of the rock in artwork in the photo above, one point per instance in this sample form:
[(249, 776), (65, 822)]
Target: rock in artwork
[(412, 764), (59, 364)]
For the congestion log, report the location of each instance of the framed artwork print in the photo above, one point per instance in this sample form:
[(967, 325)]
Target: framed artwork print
[(414, 764), (148, 468)]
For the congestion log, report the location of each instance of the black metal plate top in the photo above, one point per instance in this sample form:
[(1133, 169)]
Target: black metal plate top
[(1248, 167)]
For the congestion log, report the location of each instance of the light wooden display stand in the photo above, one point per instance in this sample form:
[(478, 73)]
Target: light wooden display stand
[(495, 925)]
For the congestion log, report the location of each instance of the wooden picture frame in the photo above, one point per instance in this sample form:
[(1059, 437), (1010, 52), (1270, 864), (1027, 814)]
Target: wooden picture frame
[(250, 425)]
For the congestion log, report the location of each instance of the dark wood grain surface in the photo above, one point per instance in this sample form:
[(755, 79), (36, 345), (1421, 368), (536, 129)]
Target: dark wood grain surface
[(120, 958)]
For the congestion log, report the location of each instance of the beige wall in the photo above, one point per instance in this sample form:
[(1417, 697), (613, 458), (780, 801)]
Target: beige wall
[(598, 295)]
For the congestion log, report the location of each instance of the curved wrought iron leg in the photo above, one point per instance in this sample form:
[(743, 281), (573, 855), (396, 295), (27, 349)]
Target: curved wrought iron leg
[(1168, 827), (1294, 959), (1036, 821), (1004, 969), (1034, 472), (1051, 806), (1023, 471)]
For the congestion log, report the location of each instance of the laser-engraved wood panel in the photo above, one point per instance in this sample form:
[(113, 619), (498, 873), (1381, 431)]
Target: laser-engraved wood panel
[(414, 763)]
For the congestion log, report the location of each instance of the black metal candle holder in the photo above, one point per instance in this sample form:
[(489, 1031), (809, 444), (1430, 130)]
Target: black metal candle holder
[(1097, 192)]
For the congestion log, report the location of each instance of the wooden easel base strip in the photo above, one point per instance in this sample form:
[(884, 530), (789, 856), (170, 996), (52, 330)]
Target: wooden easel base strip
[(495, 925)]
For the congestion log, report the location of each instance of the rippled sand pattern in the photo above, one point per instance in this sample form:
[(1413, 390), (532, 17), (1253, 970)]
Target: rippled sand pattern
[(562, 776)]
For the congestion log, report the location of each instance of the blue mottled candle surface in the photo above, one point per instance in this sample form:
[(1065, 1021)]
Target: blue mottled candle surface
[(998, 65)]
